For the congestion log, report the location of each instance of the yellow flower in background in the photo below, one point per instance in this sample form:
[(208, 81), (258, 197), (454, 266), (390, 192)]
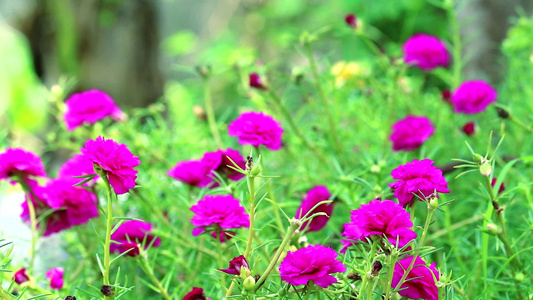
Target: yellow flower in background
[(347, 71)]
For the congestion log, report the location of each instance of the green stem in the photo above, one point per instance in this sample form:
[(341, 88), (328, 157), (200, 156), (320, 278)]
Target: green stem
[(33, 220), (418, 247), (107, 259), (295, 224), (295, 128), (220, 259), (322, 96), (5, 295), (392, 263), (521, 124), (367, 279), (146, 268), (251, 190), (270, 192)]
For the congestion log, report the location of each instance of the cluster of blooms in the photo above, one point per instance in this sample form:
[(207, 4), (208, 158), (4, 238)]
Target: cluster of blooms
[(200, 173)]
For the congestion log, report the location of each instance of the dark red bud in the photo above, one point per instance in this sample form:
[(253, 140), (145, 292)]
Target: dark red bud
[(351, 20), (469, 128)]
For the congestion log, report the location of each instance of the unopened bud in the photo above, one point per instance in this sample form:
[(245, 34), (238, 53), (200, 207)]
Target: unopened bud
[(249, 283), (375, 169), (354, 276), (70, 298), (199, 112), (376, 268), (203, 71), (485, 169), (502, 113), (492, 229), (520, 277), (282, 292), (255, 171), (433, 202), (107, 290)]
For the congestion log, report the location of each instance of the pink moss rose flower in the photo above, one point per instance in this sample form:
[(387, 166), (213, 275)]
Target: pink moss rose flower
[(426, 52), (21, 276), (116, 160), (130, 235), (55, 276), (196, 294), (257, 129), (410, 133), (236, 266), (314, 196), (419, 283), (218, 213), (417, 177), (90, 107), (379, 218), (72, 205), (19, 162), (312, 263), (200, 172), (473, 97)]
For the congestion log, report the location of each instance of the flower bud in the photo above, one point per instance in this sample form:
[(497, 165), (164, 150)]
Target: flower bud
[(520, 277), (255, 171), (485, 169), (203, 71), (256, 82), (70, 298), (107, 290), (469, 128), (502, 113), (375, 169), (376, 268), (199, 112), (492, 229), (351, 20), (354, 276), (433, 202), (282, 292), (249, 283)]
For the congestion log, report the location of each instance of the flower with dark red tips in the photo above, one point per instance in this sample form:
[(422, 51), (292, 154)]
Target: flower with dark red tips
[(257, 129), (426, 52), (19, 162), (502, 186), (217, 213), (196, 294), (473, 97), (418, 177), (312, 263), (314, 196), (351, 20), (55, 276), (90, 107), (469, 128), (378, 218), (21, 276), (115, 160), (419, 283), (410, 133), (130, 235), (238, 266), (256, 81)]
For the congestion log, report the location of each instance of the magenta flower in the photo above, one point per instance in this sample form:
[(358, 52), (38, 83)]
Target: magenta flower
[(78, 165), (90, 107), (21, 276), (314, 196), (419, 283), (257, 129), (410, 133), (426, 52), (312, 263), (200, 172), (192, 172), (218, 213), (417, 177), (116, 160), (18, 162), (236, 266), (55, 275), (351, 20), (472, 97), (469, 128), (256, 81), (379, 218), (130, 235), (71, 205), (196, 294)]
